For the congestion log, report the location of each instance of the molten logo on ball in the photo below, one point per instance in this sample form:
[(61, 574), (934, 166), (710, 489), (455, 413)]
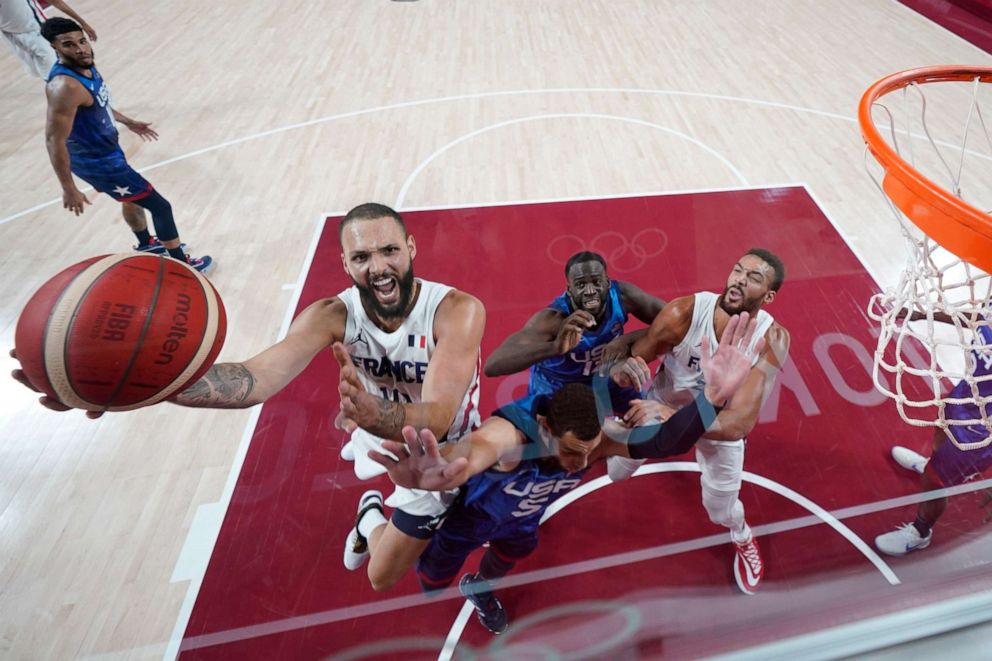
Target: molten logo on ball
[(177, 332), (120, 332)]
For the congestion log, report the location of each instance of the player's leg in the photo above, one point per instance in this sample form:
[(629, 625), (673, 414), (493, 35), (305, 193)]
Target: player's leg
[(948, 466), (166, 230), (137, 221), (722, 465), (114, 176), (392, 546), (500, 558), (35, 53)]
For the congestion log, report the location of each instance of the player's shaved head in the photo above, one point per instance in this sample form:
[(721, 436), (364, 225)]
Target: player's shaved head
[(583, 257), (370, 211)]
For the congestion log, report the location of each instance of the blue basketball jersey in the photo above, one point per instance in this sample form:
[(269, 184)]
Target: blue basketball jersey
[(580, 364), (94, 133), (517, 498)]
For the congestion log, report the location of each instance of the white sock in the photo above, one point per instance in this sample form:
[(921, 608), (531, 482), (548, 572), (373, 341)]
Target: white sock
[(370, 521), (743, 535)]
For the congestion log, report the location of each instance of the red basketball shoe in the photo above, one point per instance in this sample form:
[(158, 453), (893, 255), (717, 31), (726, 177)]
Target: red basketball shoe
[(748, 566)]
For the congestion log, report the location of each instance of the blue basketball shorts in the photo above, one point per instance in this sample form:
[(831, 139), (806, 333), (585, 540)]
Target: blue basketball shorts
[(112, 175)]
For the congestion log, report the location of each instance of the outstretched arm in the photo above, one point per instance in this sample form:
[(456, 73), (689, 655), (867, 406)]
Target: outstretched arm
[(423, 465), (547, 334), (240, 385), (458, 325), (725, 370), (741, 414), (667, 330)]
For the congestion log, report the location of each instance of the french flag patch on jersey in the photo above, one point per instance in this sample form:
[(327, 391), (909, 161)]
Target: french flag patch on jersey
[(417, 341)]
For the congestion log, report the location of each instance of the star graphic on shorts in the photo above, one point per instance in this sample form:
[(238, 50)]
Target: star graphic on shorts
[(122, 190)]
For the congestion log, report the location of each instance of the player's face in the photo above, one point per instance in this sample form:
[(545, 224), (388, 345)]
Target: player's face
[(571, 452), (379, 260), (588, 285), (749, 286), (74, 49)]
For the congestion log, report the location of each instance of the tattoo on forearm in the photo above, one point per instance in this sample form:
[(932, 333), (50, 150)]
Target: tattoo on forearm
[(392, 417), (224, 386)]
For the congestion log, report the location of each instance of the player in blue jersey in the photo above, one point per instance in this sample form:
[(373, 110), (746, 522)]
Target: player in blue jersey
[(529, 454), (81, 135), (578, 332), (948, 464)]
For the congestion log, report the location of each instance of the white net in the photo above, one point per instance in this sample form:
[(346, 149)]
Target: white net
[(934, 352)]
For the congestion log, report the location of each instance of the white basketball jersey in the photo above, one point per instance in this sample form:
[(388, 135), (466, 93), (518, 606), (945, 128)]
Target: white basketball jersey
[(18, 16), (393, 365), (680, 378)]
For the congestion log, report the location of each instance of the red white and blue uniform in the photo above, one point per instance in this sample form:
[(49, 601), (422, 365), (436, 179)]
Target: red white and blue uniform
[(95, 155), (503, 508), (581, 364)]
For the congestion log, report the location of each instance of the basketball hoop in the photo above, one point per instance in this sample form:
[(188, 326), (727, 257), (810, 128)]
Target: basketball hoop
[(935, 323)]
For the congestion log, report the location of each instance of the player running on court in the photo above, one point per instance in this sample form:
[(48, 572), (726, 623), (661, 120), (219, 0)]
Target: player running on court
[(82, 139)]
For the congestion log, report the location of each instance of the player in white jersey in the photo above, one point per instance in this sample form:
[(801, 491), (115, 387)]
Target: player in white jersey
[(20, 24), (430, 383), (676, 334)]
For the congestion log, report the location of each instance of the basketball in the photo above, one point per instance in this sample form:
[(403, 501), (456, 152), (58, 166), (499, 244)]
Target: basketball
[(119, 332)]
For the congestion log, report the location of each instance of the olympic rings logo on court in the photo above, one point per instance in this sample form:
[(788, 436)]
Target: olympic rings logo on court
[(621, 254), (612, 625)]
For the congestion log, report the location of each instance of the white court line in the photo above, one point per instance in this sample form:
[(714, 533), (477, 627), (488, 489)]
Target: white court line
[(207, 539), (483, 95), (465, 97), (759, 480), (533, 118), (609, 196), (865, 264), (625, 558)]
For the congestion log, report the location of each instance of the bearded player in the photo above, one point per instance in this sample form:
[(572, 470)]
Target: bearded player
[(676, 335)]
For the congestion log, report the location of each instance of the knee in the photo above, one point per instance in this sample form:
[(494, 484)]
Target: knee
[(722, 508), (382, 579)]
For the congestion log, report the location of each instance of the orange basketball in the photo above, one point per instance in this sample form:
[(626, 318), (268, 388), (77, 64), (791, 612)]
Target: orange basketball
[(118, 332)]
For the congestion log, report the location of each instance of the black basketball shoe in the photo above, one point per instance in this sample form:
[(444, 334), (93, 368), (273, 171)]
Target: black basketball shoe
[(487, 607)]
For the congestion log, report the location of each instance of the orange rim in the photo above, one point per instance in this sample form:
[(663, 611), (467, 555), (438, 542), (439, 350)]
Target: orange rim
[(956, 225)]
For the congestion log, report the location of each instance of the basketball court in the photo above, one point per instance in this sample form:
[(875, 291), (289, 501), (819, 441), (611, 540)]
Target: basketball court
[(170, 532)]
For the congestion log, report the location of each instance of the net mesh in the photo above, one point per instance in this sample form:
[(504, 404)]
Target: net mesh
[(934, 352)]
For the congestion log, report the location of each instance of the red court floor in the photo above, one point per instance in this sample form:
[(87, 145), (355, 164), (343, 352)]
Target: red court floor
[(630, 570)]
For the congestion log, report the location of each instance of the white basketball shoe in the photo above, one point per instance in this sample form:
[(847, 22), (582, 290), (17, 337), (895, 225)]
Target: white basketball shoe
[(908, 459), (356, 547), (904, 539)]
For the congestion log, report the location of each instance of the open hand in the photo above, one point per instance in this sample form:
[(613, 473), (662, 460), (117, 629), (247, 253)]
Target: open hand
[(420, 464), (143, 129), (48, 402), (726, 369), (73, 199), (646, 411)]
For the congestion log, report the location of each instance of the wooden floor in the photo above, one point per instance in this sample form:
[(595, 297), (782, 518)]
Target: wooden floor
[(272, 113)]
